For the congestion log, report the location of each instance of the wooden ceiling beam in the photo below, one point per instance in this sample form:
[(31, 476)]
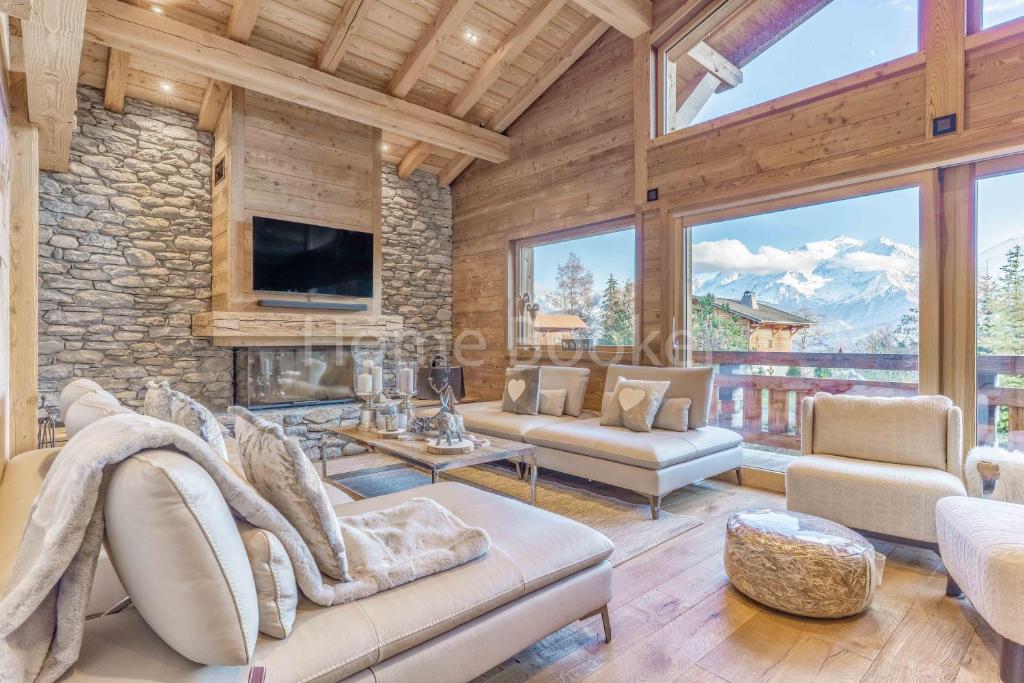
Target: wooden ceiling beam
[(514, 44), (558, 64), (176, 44), (22, 9), (412, 160), (53, 49), (344, 31), (717, 65), (240, 25), (448, 18), (631, 17), (117, 80)]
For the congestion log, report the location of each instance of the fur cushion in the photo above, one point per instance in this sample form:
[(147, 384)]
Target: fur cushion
[(76, 389), (276, 590), (522, 391), (278, 469), (157, 402), (195, 417), (89, 408)]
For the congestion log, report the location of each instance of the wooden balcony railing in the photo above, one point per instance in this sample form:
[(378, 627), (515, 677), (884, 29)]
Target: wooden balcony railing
[(765, 408)]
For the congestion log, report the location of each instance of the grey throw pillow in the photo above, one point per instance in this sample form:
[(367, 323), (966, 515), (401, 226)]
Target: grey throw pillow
[(634, 404), (674, 415), (194, 416), (278, 469), (522, 391)]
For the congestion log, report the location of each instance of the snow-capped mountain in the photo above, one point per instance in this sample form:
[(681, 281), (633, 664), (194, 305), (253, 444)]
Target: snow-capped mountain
[(850, 286), (993, 258)]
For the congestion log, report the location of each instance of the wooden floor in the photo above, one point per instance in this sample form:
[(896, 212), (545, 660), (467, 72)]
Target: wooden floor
[(675, 618)]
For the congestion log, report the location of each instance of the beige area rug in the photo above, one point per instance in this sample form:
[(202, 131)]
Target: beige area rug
[(628, 525)]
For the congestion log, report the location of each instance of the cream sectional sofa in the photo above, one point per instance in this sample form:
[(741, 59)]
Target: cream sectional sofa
[(540, 574), (652, 464)]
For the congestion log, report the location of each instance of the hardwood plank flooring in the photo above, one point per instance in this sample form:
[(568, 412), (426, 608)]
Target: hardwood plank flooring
[(675, 618)]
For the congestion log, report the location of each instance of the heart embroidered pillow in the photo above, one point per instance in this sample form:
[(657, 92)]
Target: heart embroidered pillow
[(633, 404), (522, 391)]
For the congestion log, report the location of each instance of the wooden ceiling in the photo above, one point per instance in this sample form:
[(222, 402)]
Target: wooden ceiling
[(483, 61)]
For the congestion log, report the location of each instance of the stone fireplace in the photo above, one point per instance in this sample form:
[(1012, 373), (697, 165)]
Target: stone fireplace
[(293, 376)]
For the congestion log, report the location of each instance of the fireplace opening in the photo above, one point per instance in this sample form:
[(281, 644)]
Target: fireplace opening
[(277, 377)]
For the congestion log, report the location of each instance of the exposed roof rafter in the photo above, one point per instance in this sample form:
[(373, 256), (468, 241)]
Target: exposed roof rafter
[(631, 17), (240, 25), (345, 28), (448, 17)]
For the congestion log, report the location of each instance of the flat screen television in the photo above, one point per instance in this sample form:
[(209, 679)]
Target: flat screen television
[(310, 259)]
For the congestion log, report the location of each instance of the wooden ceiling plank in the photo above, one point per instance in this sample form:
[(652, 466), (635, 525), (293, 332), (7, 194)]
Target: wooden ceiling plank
[(242, 20), (179, 45), (339, 40), (240, 25), (581, 41), (631, 17), (117, 80), (53, 49), (450, 15), (521, 35), (22, 9)]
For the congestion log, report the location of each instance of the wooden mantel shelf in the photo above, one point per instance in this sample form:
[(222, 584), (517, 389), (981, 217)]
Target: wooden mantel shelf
[(267, 328)]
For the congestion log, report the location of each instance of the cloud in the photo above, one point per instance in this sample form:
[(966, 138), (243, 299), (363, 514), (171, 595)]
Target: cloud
[(734, 256), (866, 262), (993, 6)]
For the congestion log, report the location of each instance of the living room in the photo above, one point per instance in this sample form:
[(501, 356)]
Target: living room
[(605, 340)]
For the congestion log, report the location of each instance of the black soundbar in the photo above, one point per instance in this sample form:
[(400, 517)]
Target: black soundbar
[(330, 305)]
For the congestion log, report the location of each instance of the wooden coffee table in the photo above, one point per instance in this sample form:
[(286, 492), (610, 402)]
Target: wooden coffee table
[(412, 449)]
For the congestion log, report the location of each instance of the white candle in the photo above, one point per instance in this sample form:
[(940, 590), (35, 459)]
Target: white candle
[(364, 383), (367, 365), (378, 380), (405, 380)]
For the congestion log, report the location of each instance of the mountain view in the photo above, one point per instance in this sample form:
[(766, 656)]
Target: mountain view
[(851, 288)]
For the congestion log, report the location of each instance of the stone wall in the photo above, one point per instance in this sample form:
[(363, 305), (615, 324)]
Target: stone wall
[(124, 246), (416, 227), (125, 261)]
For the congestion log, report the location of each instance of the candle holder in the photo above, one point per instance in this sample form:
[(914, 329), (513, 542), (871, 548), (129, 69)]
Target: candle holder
[(406, 378), (368, 413)]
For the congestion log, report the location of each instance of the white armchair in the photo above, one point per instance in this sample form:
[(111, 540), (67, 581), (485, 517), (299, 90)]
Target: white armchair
[(878, 465)]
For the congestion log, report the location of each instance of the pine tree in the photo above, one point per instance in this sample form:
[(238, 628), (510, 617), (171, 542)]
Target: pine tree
[(712, 332), (617, 313), (610, 303)]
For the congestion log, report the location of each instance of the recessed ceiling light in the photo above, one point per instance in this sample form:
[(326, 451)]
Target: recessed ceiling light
[(158, 10), (166, 87), (471, 36), (385, 147)]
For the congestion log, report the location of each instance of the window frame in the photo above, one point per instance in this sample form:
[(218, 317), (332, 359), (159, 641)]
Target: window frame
[(515, 346), (845, 82), (927, 183)]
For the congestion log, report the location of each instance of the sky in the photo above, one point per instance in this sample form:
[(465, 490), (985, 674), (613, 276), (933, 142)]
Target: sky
[(612, 252), (1000, 212)]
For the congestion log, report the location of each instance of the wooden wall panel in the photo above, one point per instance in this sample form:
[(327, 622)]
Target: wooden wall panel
[(5, 260), (572, 165), (23, 287), (286, 161)]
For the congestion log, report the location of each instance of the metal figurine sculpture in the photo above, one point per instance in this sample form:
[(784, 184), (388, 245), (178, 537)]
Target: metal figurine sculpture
[(447, 422)]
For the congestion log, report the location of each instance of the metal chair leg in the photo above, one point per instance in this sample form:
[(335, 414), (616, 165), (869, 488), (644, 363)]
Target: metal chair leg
[(655, 503), (606, 622), (952, 589)]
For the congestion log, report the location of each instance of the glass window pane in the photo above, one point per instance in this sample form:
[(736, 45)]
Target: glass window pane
[(817, 298), (995, 12), (773, 49), (1000, 311), (582, 288)]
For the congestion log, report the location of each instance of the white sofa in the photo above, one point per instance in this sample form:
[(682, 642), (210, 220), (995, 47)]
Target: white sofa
[(878, 465), (540, 574), (652, 464)]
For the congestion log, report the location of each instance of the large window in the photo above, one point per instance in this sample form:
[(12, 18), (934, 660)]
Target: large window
[(815, 298), (770, 49), (580, 286), (1000, 312), (995, 12)]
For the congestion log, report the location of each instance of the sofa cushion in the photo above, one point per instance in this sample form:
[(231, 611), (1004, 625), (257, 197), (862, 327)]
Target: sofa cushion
[(634, 404), (573, 380), (76, 389), (522, 390), (692, 383), (329, 644), (194, 416), (90, 408), (898, 500), (489, 419), (272, 571), (173, 541), (552, 402), (157, 402), (653, 450), (673, 415), (906, 430)]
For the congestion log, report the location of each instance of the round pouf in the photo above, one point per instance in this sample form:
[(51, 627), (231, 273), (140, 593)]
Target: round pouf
[(801, 564)]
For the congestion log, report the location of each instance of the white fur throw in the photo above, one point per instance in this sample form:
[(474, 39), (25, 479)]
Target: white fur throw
[(42, 615), (1010, 483)]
